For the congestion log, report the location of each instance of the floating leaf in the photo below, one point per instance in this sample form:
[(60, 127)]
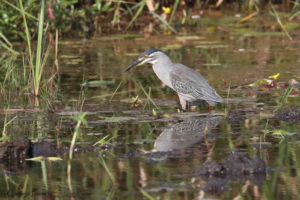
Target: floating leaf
[(167, 116), (135, 100), (97, 83), (42, 158), (282, 133), (266, 83), (54, 159), (37, 159), (154, 113)]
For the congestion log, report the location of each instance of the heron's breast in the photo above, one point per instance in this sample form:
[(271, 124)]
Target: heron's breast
[(163, 73)]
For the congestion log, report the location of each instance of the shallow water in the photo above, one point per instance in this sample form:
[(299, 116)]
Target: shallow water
[(160, 155)]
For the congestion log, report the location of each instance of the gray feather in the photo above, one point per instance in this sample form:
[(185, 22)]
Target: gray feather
[(188, 82)]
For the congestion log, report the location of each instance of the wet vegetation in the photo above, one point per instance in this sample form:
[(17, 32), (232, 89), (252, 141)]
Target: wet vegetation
[(72, 126)]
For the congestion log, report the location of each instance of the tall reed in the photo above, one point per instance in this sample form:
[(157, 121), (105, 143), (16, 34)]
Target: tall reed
[(36, 63)]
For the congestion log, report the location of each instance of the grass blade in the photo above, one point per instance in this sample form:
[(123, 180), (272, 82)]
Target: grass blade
[(174, 10), (110, 174), (275, 14), (139, 11), (38, 70), (44, 172), (164, 22), (112, 96), (146, 194), (80, 120), (20, 10), (28, 38), (147, 95), (284, 97)]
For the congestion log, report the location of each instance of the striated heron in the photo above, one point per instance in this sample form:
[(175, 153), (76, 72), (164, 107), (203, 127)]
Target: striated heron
[(190, 86)]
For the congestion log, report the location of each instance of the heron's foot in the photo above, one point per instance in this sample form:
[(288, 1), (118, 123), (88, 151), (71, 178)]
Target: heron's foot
[(179, 110)]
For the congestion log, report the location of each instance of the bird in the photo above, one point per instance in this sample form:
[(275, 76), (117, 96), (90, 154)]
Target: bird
[(189, 85)]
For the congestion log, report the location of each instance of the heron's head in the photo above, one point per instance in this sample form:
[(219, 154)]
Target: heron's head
[(149, 56)]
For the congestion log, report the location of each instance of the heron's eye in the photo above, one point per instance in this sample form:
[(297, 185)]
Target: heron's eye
[(143, 58)]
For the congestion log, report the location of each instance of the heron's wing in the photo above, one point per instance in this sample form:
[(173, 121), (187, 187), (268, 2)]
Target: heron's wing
[(179, 84), (187, 81)]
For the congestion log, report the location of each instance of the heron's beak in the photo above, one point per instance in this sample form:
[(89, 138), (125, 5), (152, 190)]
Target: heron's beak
[(138, 62)]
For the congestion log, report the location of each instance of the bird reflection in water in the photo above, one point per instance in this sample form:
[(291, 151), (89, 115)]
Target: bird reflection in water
[(185, 134)]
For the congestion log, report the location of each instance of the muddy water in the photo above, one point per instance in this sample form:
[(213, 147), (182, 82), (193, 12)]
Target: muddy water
[(250, 153)]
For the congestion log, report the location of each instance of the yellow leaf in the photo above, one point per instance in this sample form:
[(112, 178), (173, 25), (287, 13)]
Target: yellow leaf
[(166, 10), (167, 116), (54, 159), (39, 158), (274, 76), (154, 113)]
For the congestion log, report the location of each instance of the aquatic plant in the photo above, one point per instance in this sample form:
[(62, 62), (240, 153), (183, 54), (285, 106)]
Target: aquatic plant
[(35, 60), (80, 118), (40, 60)]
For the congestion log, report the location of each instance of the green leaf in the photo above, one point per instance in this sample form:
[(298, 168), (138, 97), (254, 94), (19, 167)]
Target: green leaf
[(54, 159), (36, 159)]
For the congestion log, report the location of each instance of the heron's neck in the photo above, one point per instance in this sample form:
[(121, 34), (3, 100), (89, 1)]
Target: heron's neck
[(162, 69)]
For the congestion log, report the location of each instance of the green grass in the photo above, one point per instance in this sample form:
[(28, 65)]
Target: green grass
[(37, 62), (278, 19), (6, 44), (284, 97), (80, 118), (147, 195), (147, 94)]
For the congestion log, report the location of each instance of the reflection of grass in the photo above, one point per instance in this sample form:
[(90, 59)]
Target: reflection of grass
[(105, 141), (227, 97), (107, 169), (147, 195), (44, 172), (80, 118), (287, 160)]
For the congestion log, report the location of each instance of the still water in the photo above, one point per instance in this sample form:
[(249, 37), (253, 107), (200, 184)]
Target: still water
[(243, 149)]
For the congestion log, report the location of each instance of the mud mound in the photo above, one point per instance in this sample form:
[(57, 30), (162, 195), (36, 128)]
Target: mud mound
[(291, 115), (13, 154), (237, 166)]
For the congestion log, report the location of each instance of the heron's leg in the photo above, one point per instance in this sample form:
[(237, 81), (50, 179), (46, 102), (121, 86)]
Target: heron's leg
[(183, 103), (209, 108)]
